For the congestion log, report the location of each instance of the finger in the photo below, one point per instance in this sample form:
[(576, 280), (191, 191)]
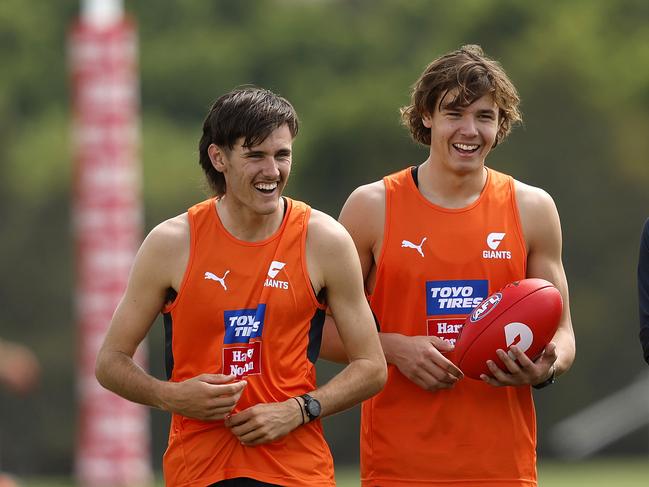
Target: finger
[(254, 438), (454, 370), (550, 348), (491, 380), (441, 344), (508, 361), (239, 418), (497, 373), (429, 368), (549, 353), (426, 381), (431, 382), (520, 357), (228, 389), (438, 362), (216, 378)]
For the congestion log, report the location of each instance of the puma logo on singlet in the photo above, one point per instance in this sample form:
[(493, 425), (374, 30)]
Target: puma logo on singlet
[(220, 280), (409, 245)]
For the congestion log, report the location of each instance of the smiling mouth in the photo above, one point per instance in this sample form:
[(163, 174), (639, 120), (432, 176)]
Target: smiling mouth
[(266, 188), (466, 148)]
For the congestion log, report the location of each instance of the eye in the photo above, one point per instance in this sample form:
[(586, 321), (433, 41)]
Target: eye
[(255, 156)]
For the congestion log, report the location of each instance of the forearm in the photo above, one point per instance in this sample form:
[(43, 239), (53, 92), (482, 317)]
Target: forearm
[(361, 379), (119, 373)]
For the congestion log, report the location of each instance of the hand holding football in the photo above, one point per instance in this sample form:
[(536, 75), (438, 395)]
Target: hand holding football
[(524, 313)]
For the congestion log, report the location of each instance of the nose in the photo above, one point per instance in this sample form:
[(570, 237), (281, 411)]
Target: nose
[(270, 169), (468, 127)]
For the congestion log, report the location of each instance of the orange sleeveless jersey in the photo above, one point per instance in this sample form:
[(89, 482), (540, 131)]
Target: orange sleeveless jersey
[(246, 308), (436, 264)]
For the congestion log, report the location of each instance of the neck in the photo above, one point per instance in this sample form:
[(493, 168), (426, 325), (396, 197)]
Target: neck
[(246, 225), (450, 189)]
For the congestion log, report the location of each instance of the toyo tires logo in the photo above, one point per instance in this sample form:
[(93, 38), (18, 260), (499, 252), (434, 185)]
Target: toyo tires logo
[(484, 308)]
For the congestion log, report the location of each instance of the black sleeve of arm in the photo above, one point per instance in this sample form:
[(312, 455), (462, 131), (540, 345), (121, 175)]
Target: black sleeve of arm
[(643, 290)]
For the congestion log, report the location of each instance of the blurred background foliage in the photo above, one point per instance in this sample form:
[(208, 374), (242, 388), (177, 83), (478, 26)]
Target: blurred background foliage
[(582, 69)]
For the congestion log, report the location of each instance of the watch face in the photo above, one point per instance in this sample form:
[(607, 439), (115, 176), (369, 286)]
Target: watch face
[(314, 408)]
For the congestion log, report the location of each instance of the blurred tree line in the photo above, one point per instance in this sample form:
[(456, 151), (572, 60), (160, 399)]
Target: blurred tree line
[(582, 69)]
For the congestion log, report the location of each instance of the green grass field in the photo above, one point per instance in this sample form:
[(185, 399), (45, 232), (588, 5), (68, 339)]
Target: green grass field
[(630, 472)]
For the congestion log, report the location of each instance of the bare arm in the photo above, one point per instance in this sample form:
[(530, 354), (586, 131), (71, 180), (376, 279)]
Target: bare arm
[(542, 231), (159, 265), (417, 357), (341, 275), (333, 265)]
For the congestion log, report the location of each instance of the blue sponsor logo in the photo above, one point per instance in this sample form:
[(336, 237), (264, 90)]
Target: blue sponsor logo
[(243, 324), (454, 297)]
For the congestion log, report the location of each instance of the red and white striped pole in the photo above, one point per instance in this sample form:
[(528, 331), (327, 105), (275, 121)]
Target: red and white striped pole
[(113, 437)]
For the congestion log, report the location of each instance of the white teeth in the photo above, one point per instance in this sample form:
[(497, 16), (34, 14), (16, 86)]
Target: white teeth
[(266, 186), (467, 147)]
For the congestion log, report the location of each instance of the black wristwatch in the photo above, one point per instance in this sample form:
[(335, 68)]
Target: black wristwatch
[(311, 407), (549, 381)]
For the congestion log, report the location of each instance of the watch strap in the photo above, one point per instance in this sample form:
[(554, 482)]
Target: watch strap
[(307, 400)]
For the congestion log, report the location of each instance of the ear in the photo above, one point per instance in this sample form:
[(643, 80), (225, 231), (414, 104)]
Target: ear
[(217, 156), (427, 120)]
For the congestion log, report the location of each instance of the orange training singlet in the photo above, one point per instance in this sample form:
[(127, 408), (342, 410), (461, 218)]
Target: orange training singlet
[(246, 308), (436, 264)]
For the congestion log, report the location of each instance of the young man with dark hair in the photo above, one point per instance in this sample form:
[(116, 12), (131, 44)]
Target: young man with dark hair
[(434, 240), (243, 280)]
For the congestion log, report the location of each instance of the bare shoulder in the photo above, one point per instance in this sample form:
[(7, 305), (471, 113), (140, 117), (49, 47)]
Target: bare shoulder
[(329, 250), (324, 233), (539, 217), (164, 254), (366, 199), (169, 237), (363, 215), (533, 201)]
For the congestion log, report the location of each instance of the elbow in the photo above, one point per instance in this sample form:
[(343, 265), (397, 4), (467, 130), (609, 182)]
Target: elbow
[(101, 369), (379, 376)]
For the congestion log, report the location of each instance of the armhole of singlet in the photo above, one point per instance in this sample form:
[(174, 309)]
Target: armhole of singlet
[(386, 230), (305, 269), (192, 251), (517, 220)]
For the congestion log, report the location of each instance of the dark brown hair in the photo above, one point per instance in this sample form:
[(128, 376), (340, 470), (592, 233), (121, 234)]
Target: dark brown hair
[(472, 75), (249, 112)]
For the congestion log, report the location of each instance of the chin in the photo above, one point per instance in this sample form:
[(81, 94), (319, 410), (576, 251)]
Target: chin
[(268, 208)]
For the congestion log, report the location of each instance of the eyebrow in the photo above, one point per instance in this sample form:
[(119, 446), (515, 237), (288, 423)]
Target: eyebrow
[(488, 111), (258, 153)]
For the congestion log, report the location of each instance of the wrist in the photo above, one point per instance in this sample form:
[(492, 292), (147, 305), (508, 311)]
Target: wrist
[(163, 395), (301, 417), (549, 380), (389, 343)]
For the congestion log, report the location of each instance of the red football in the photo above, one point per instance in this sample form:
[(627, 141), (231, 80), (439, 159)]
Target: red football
[(524, 313)]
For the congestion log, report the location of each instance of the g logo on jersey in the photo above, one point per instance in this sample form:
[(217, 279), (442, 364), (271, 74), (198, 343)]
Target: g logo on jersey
[(493, 242), (454, 297), (243, 324)]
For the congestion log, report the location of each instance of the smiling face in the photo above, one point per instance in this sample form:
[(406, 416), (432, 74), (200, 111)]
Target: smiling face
[(255, 176), (462, 136)]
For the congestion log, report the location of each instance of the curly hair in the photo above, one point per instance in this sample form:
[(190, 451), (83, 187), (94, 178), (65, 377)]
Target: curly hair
[(469, 75)]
